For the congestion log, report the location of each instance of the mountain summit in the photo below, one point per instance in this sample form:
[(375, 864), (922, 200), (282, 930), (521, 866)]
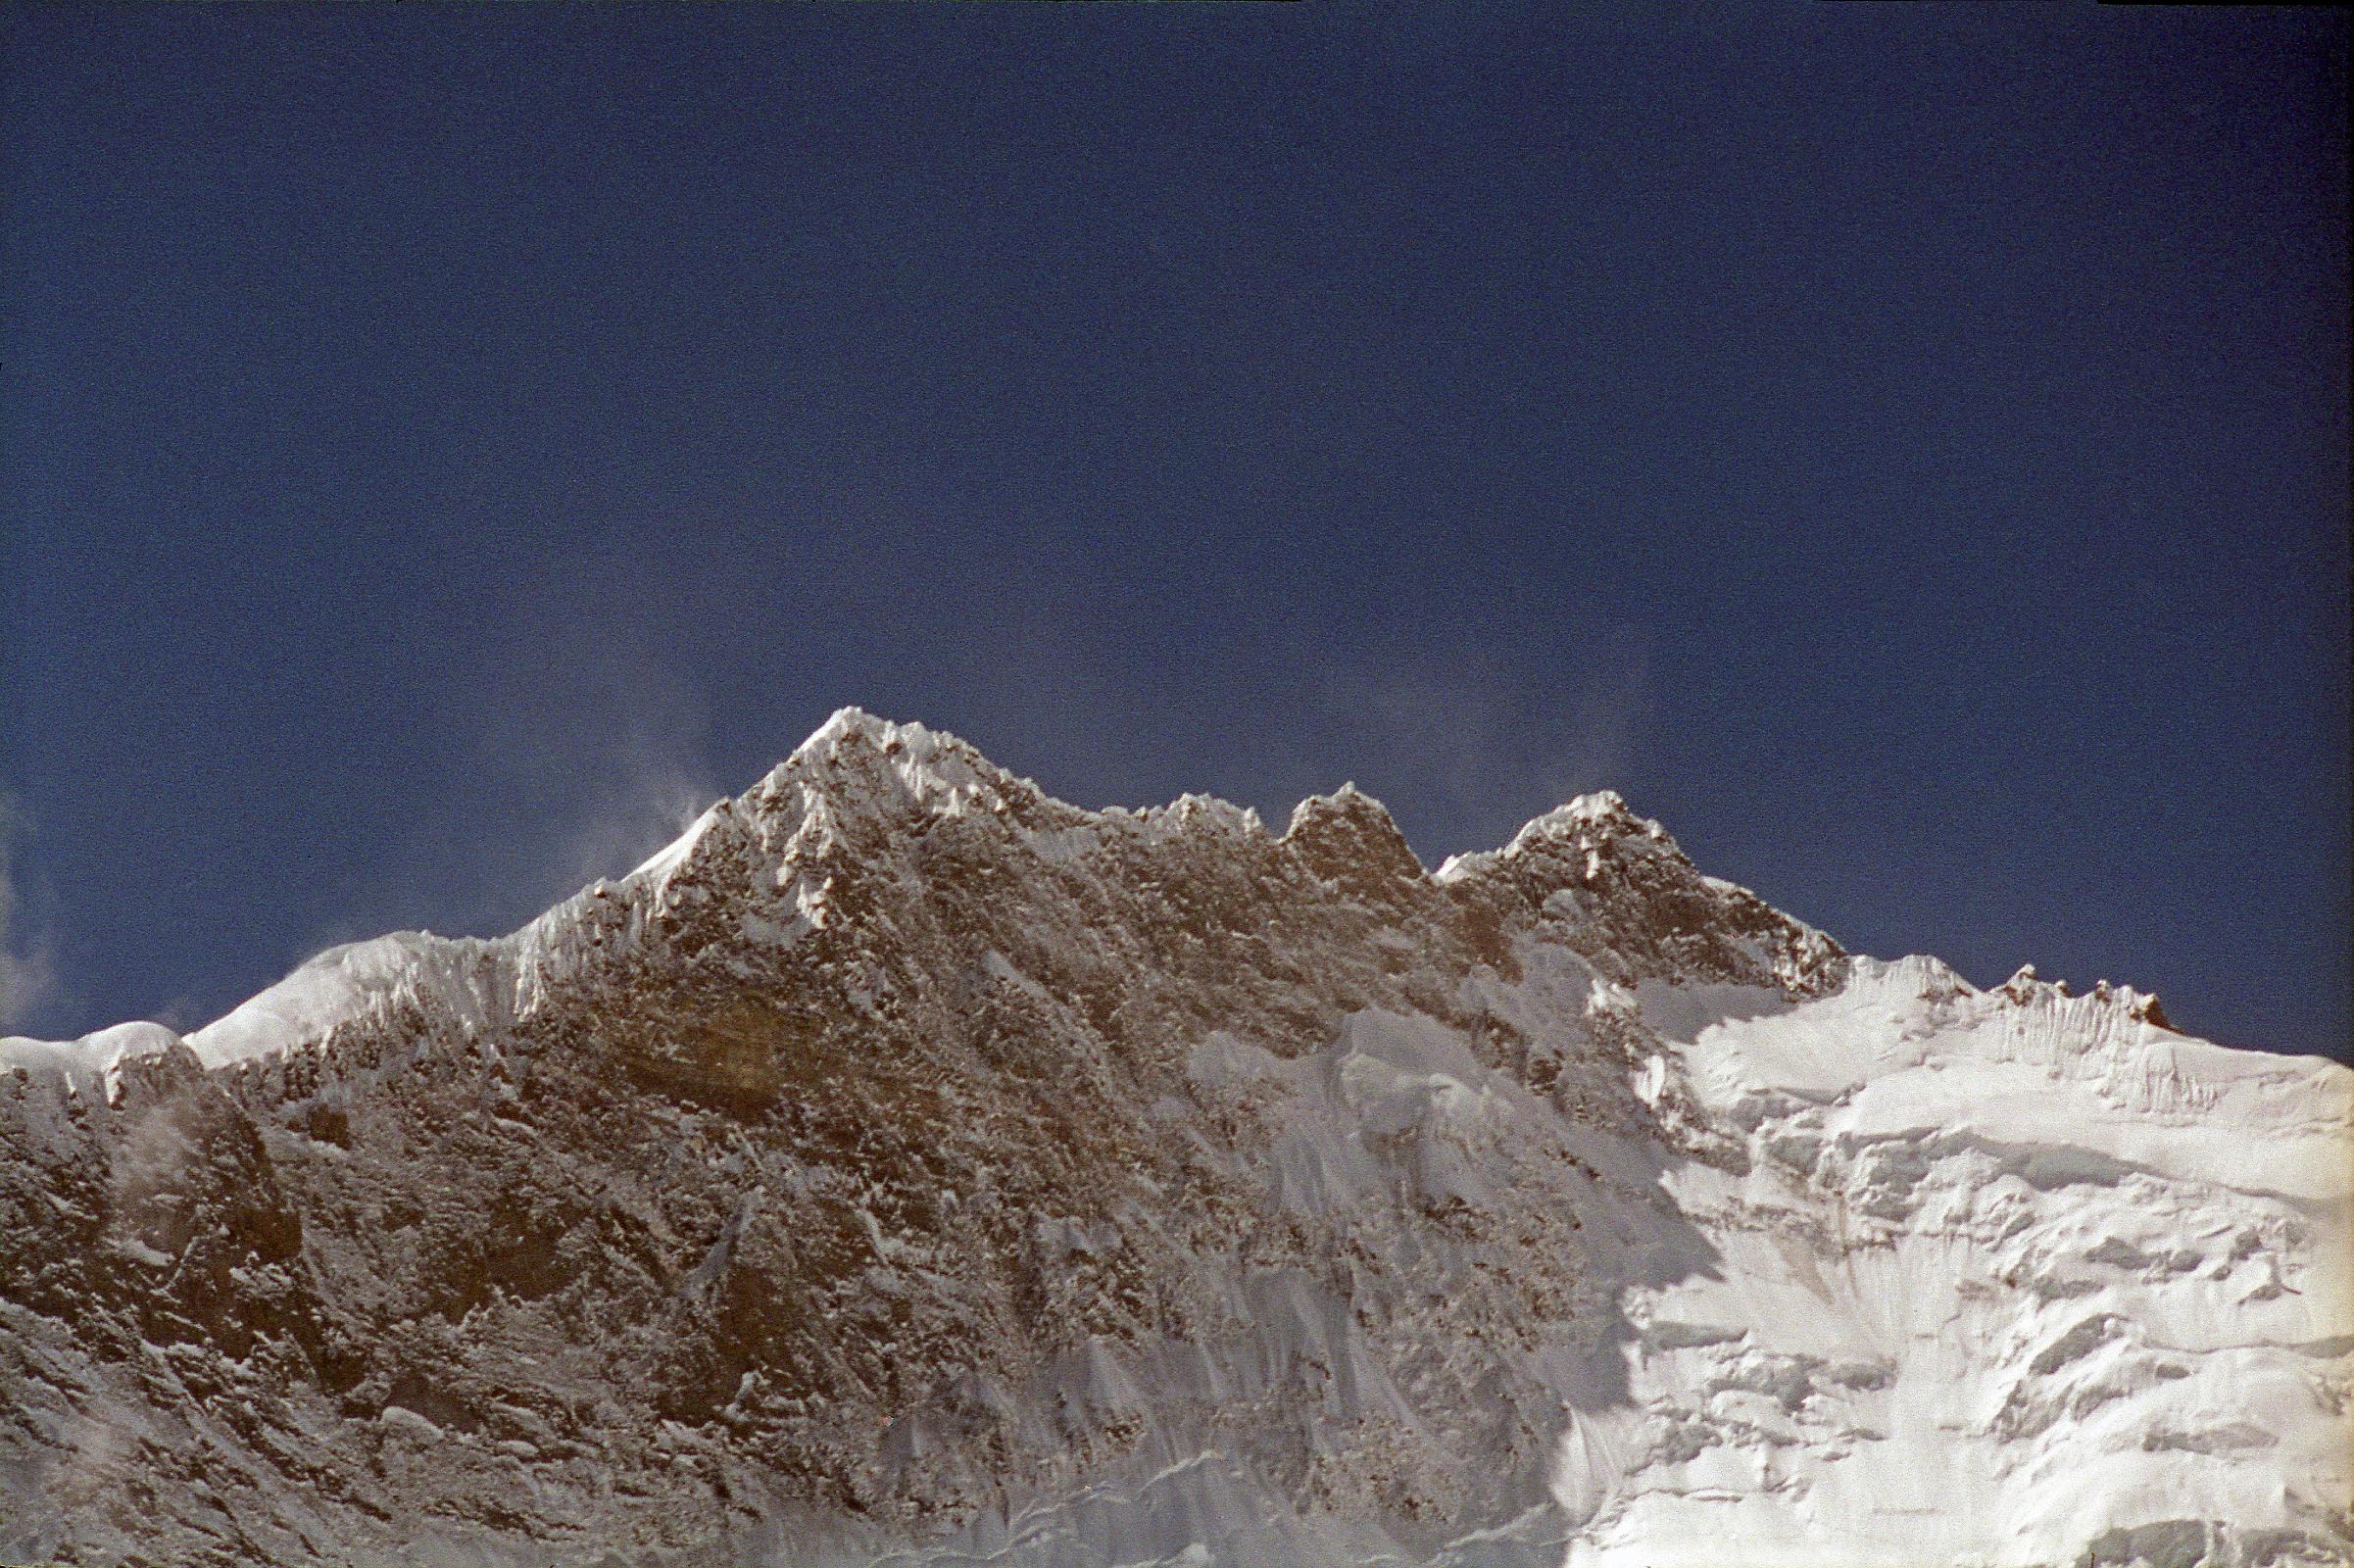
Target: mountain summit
[(908, 1167)]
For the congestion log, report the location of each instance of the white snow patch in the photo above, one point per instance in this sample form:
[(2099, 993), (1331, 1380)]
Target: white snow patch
[(91, 1065)]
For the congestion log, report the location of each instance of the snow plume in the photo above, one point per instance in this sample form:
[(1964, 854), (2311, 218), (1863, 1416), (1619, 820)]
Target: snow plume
[(647, 791), (28, 962), (571, 753), (1475, 741), (183, 1013), (609, 760)]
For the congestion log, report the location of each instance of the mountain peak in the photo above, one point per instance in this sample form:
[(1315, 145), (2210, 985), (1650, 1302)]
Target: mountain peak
[(852, 738), (856, 763), (1595, 814), (1582, 824), (852, 720), (1349, 838)]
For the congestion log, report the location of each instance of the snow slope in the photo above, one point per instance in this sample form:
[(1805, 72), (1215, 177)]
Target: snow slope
[(908, 1167), (2010, 1278)]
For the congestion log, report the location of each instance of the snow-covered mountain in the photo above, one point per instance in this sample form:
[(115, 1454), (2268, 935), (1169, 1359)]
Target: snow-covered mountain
[(906, 1167)]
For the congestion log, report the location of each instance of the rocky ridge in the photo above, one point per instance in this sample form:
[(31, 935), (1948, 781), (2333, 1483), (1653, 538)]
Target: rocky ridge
[(908, 1166)]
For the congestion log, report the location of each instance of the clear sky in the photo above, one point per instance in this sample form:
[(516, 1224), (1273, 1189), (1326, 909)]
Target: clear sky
[(1904, 448)]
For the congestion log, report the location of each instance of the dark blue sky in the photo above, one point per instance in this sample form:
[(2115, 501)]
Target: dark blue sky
[(1904, 448)]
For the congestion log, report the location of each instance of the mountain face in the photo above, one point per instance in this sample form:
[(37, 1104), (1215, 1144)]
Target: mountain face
[(909, 1168)]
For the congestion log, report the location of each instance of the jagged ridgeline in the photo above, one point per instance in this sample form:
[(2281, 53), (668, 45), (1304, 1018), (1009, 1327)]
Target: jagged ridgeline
[(906, 1166)]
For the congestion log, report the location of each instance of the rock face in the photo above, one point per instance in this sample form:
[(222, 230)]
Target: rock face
[(908, 1167)]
